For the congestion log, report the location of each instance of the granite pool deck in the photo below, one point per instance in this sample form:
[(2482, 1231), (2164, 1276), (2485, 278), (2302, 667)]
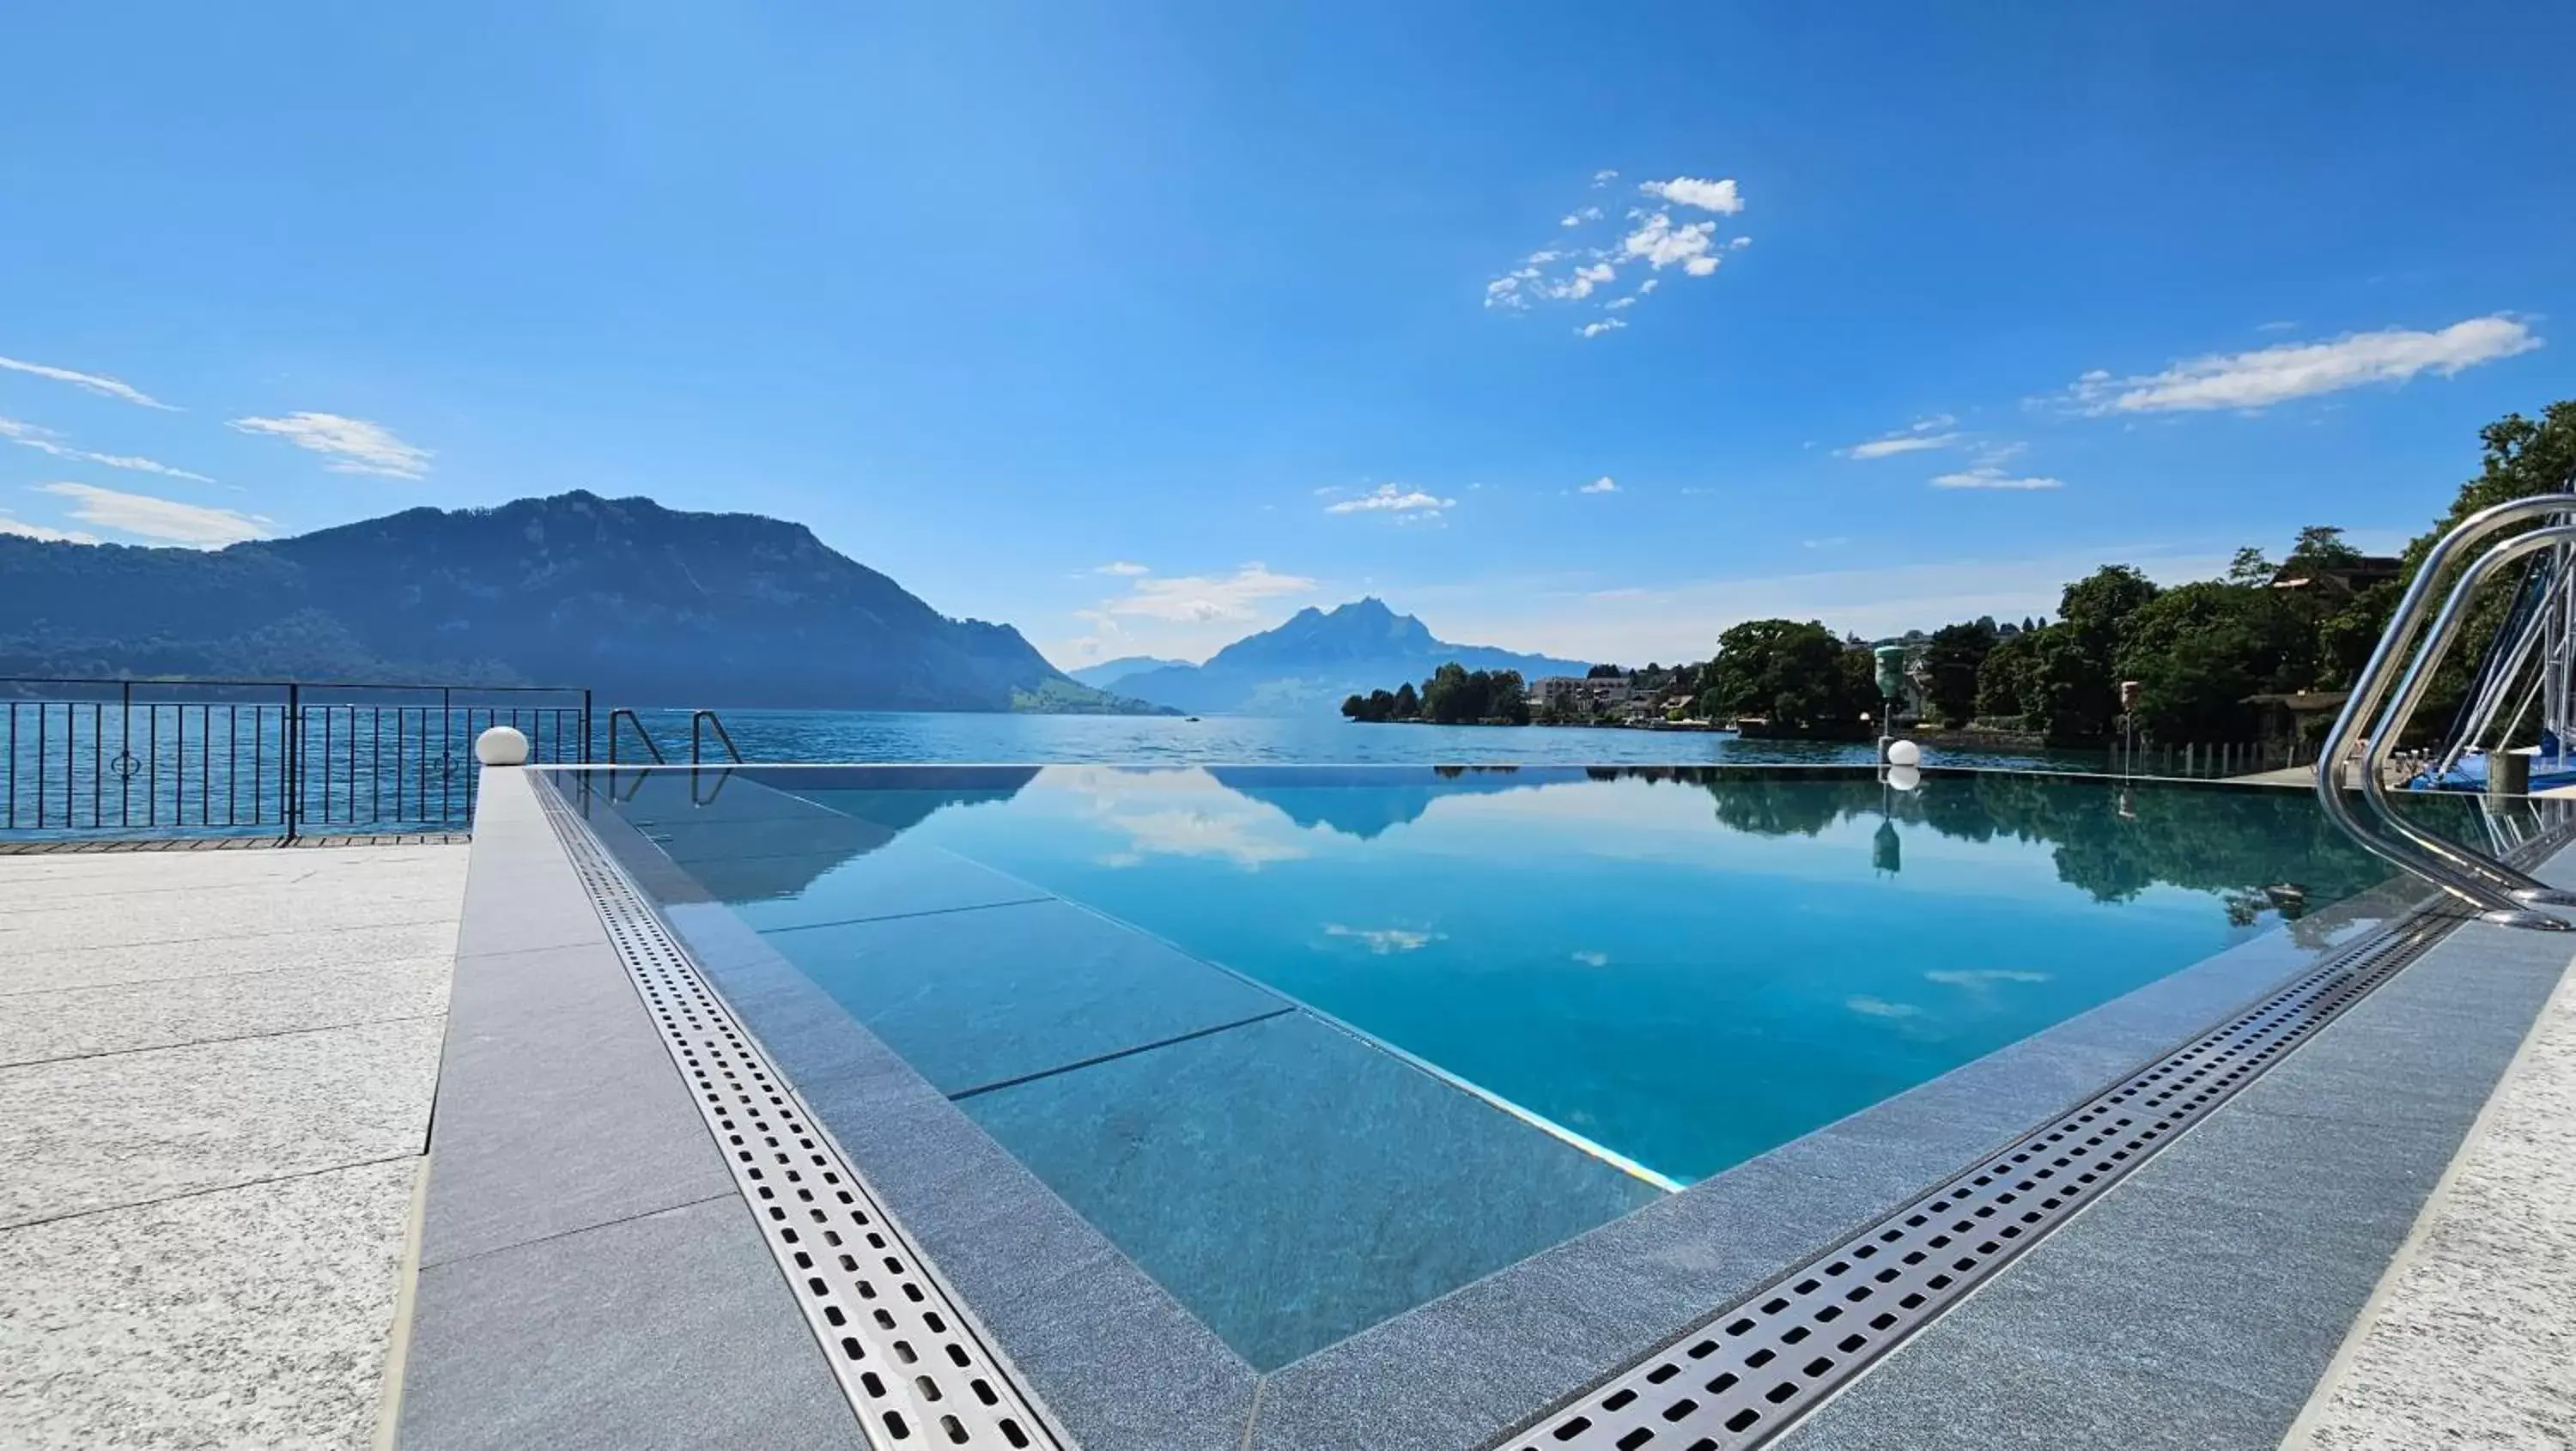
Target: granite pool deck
[(215, 1080), (216, 1221)]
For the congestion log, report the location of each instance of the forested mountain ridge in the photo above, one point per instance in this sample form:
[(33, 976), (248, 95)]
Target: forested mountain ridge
[(644, 604)]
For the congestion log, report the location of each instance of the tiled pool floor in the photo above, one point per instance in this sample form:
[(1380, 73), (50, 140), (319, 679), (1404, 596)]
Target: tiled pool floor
[(1199, 1121)]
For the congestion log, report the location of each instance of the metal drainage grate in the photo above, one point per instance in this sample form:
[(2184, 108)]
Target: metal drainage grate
[(915, 1372), (1750, 1371)]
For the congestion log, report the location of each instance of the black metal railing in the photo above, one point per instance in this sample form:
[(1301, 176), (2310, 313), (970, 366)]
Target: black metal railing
[(260, 758)]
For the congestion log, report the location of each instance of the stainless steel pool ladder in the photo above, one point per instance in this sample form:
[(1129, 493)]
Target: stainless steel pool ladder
[(2497, 892)]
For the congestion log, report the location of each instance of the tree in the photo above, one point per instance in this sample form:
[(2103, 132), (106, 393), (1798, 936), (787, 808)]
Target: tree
[(2008, 683), (1407, 706), (2251, 568), (1799, 676), (1951, 660), (2321, 546), (1603, 672), (2198, 650)]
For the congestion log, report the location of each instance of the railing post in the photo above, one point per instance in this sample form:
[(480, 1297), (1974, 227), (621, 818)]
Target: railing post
[(291, 782)]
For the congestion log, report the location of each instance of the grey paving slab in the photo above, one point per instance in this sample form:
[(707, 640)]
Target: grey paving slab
[(977, 998), (673, 1329), (558, 1106), (93, 1133), (88, 967), (525, 901), (77, 1022), (253, 1316)]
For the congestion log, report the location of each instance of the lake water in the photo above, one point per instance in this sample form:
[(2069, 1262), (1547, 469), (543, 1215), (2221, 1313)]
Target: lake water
[(887, 736)]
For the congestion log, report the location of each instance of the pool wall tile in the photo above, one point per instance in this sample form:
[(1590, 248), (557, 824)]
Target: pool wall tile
[(1079, 987), (1112, 1355)]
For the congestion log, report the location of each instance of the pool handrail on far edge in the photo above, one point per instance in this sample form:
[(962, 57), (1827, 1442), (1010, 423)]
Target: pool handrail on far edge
[(2498, 893)]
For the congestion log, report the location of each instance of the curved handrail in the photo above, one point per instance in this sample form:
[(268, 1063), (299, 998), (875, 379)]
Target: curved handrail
[(2409, 693), (637, 722), (698, 721), (2371, 689)]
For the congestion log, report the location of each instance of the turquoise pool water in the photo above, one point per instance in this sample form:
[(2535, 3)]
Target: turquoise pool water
[(1313, 1045)]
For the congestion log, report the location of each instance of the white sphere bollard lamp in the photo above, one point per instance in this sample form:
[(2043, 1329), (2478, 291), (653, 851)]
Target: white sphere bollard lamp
[(501, 746), (1904, 753)]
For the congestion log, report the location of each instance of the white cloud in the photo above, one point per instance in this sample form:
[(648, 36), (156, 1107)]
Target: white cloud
[(1199, 598), (1580, 285), (1690, 191), (1122, 568), (1661, 244), (1880, 1007), (1604, 177), (2274, 327), (1593, 959), (164, 519), (1620, 304), (1578, 218), (1738, 244), (1603, 325), (45, 440), (1390, 498), (2277, 374), (1989, 477), (93, 382), (1649, 285), (1601, 485), (43, 533), (1915, 437), (354, 445), (1386, 941)]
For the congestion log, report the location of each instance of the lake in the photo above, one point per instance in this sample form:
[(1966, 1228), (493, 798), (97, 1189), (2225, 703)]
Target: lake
[(894, 736)]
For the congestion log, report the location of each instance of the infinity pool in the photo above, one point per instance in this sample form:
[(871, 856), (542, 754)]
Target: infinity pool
[(1315, 1045)]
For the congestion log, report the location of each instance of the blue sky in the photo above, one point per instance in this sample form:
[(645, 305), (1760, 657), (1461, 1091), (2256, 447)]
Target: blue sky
[(1140, 326)]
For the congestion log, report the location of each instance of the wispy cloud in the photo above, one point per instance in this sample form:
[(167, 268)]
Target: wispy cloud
[(100, 384), (1569, 271), (1690, 191), (1391, 499), (1122, 568), (2265, 376), (1870, 1007), (1989, 477), (1601, 485), (45, 440), (1202, 597), (1920, 435), (42, 533), (167, 520), (354, 445), (1833, 541)]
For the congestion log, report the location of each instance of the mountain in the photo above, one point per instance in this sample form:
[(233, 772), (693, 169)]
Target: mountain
[(645, 605), (1308, 665), (1109, 672)]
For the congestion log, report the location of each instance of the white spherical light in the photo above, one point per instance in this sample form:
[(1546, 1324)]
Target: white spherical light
[(1904, 778), (501, 746), (1904, 753)]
